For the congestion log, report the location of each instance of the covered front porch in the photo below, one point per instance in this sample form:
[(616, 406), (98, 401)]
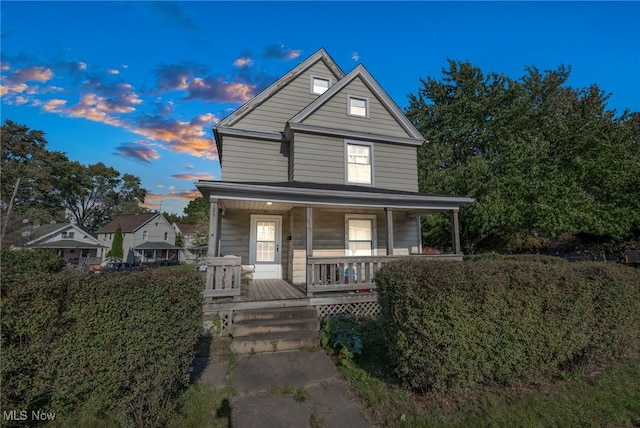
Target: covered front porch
[(321, 239)]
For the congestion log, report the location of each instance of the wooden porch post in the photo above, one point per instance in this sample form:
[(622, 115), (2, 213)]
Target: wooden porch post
[(455, 232), (388, 213), (309, 219), (212, 249)]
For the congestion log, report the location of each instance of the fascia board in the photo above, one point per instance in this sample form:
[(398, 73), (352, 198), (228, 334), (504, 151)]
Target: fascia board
[(321, 130)]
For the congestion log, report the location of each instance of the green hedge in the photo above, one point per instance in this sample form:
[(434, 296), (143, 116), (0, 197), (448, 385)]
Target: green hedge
[(454, 325), (115, 345)]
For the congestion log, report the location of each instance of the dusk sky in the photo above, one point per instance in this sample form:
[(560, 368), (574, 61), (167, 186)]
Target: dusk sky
[(139, 85)]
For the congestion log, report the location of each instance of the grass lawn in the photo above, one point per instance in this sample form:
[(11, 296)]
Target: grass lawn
[(599, 396)]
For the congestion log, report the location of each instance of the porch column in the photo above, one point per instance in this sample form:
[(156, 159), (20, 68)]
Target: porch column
[(212, 249), (309, 238), (388, 214), (455, 232)]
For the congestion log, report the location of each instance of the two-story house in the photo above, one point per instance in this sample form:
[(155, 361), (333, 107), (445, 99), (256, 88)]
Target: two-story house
[(319, 182), (146, 238), (192, 249)]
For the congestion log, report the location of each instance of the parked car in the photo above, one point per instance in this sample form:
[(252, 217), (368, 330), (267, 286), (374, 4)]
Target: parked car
[(116, 267), (201, 267)]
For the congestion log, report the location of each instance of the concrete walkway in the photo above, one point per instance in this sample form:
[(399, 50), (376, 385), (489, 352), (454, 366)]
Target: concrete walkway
[(286, 389)]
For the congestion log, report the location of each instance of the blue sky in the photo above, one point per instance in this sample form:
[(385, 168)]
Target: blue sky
[(139, 85)]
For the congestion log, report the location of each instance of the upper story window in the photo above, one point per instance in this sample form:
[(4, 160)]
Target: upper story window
[(166, 236), (358, 106), (145, 235), (68, 235), (359, 168), (319, 85)]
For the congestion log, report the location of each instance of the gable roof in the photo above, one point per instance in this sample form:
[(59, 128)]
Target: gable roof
[(187, 228), (39, 236), (359, 72), (249, 106), (128, 223)]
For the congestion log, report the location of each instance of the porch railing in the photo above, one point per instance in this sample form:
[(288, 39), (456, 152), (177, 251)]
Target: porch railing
[(223, 276), (326, 274)]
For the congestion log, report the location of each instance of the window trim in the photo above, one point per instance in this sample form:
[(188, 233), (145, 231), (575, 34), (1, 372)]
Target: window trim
[(367, 105), (346, 162), (374, 231), (319, 77), (145, 235)]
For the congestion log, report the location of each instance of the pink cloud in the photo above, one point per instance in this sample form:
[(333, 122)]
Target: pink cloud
[(281, 52), (243, 62), (154, 200), (191, 177), (32, 74)]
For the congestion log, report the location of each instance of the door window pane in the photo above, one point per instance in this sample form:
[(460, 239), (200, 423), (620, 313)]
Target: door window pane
[(266, 231), (265, 252)]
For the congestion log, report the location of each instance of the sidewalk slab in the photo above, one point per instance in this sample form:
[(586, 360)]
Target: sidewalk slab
[(260, 372)]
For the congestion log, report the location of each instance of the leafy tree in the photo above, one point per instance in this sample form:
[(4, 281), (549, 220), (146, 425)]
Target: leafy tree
[(117, 250), (25, 156), (540, 157), (96, 194), (197, 211)]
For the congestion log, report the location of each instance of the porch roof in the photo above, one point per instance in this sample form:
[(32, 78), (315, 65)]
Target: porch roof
[(69, 243), (294, 193), (150, 245)]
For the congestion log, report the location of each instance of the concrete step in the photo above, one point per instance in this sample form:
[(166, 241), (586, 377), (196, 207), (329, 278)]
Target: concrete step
[(274, 342), (255, 327), (295, 312)]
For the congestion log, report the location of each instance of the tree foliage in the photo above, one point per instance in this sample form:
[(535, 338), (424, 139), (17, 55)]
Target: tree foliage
[(52, 185), (197, 211), (117, 249), (541, 158)]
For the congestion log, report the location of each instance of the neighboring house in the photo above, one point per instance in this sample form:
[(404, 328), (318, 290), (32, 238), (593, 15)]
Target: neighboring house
[(192, 251), (146, 238), (320, 181), (72, 243)]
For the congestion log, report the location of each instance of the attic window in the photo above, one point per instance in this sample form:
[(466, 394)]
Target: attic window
[(358, 106), (319, 85)]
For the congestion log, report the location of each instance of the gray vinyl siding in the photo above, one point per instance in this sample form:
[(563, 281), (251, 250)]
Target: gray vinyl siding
[(273, 114), (254, 160), (235, 235), (318, 159), (333, 114), (396, 167)]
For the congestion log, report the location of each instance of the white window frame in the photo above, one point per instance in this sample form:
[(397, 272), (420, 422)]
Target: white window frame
[(318, 77), (366, 105), (145, 235), (347, 143), (374, 231)]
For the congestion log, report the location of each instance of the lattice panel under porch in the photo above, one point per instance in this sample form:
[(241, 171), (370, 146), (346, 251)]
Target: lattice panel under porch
[(357, 309), (218, 323)]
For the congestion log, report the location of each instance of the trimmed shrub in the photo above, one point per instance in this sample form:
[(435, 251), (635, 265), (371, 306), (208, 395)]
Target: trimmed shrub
[(116, 344), (455, 325), (13, 262)]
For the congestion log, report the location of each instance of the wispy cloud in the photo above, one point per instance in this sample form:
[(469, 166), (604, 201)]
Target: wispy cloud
[(137, 151), (280, 52), (154, 200), (191, 177), (355, 56)]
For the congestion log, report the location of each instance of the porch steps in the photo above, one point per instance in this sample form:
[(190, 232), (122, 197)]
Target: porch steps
[(272, 330)]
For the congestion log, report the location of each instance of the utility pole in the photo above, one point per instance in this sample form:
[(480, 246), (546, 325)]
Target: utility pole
[(6, 219)]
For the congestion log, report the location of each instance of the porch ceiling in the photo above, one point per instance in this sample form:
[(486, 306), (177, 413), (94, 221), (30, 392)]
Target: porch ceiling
[(283, 196)]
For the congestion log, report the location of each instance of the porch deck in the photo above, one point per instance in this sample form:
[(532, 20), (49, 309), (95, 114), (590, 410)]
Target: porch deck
[(270, 289)]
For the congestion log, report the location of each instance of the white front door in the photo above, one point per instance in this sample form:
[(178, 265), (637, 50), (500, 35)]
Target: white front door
[(265, 248)]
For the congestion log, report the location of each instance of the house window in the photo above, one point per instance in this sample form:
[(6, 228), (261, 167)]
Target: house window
[(358, 106), (64, 234), (166, 236), (145, 235), (71, 235), (319, 85), (359, 168), (360, 235)]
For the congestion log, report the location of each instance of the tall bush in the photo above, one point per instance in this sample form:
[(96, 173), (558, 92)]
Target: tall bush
[(114, 344), (454, 325)]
